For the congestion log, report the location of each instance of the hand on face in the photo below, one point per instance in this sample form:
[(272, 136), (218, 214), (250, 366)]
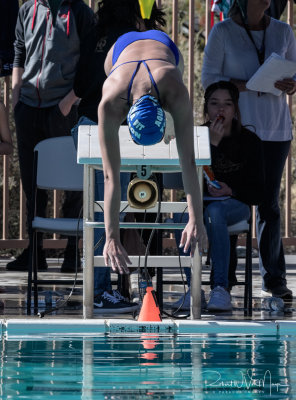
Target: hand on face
[(116, 256), (217, 130), (220, 104)]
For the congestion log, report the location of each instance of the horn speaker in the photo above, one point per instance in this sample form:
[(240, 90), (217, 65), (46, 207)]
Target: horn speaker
[(142, 193)]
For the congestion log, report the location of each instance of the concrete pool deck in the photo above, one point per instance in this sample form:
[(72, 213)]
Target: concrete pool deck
[(13, 294)]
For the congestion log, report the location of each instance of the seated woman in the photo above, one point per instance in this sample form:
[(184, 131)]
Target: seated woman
[(237, 163), (144, 79)]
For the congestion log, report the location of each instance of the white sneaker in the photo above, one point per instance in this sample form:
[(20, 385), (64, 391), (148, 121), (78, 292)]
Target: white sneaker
[(185, 299), (220, 300)]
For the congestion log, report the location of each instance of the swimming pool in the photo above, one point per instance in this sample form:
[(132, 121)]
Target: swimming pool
[(148, 361)]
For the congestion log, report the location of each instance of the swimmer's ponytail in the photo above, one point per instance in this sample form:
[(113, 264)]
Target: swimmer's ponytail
[(125, 14)]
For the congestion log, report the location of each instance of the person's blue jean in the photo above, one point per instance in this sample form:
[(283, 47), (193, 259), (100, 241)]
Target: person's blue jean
[(102, 275), (271, 254), (221, 213), (218, 215)]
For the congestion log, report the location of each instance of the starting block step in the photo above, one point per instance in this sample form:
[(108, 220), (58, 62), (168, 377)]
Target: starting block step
[(152, 261)]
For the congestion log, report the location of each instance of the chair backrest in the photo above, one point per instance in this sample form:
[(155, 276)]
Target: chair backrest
[(57, 166)]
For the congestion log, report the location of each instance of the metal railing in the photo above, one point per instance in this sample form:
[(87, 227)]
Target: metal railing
[(7, 242)]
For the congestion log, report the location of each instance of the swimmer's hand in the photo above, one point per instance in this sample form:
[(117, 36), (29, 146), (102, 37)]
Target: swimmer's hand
[(192, 234), (116, 257), (168, 138), (169, 130)]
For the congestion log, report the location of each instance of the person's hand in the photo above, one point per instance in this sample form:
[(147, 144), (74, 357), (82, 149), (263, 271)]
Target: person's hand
[(225, 190), (217, 131), (168, 138), (287, 85), (65, 106), (192, 234), (116, 256)]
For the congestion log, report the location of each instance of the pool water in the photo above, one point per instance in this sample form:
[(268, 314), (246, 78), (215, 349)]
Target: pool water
[(150, 367)]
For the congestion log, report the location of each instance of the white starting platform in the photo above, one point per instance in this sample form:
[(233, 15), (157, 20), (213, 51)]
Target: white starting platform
[(160, 158)]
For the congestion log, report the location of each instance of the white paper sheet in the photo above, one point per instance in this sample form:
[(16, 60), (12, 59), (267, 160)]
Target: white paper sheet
[(274, 69)]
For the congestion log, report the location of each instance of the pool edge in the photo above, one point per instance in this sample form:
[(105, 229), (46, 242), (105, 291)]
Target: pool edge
[(93, 327)]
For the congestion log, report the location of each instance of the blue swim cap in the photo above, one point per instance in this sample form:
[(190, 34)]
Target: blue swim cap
[(146, 121)]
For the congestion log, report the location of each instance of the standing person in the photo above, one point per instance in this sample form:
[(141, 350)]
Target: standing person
[(143, 79), (235, 50), (48, 60)]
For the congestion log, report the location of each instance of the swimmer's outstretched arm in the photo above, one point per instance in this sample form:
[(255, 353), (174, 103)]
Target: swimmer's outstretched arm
[(109, 122), (178, 104)]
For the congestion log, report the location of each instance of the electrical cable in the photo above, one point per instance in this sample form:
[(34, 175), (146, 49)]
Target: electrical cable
[(141, 286), (64, 302), (172, 315), (147, 276), (96, 246)]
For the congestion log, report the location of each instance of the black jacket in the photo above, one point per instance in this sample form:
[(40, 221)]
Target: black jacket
[(238, 161)]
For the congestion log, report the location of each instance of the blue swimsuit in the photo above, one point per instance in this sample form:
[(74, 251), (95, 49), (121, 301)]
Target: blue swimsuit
[(131, 37)]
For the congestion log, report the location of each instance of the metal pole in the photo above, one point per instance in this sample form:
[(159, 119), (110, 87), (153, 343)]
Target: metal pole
[(289, 159), (175, 21), (195, 292), (5, 195), (191, 51), (208, 18), (88, 254)]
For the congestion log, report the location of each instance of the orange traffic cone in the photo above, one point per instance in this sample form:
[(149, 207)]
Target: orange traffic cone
[(150, 310), (150, 341)]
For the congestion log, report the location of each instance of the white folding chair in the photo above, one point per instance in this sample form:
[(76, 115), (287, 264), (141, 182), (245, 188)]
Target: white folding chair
[(55, 168)]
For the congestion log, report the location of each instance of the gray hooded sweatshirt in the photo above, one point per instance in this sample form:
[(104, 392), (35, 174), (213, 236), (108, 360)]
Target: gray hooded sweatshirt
[(50, 54)]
